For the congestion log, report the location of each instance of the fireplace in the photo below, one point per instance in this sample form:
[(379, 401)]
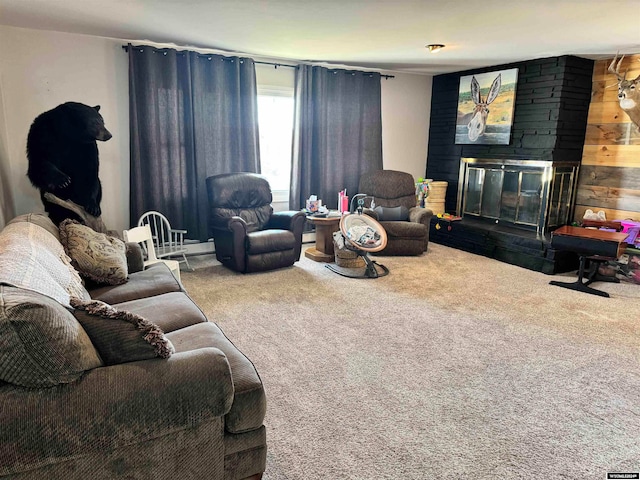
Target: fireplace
[(530, 195)]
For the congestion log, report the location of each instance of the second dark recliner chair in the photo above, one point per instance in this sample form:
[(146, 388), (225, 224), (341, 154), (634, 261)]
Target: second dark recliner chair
[(407, 226), (249, 236)]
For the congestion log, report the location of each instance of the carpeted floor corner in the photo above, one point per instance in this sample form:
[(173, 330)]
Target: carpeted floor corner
[(452, 366)]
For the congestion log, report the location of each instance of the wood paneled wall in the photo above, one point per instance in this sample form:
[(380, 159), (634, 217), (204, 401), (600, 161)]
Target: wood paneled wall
[(610, 172)]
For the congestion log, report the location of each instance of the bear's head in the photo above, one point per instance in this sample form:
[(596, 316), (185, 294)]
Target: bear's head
[(84, 122)]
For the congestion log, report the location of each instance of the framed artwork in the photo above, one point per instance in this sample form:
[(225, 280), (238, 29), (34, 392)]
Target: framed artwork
[(485, 107)]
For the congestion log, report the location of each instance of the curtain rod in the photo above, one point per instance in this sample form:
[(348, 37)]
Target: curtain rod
[(276, 65)]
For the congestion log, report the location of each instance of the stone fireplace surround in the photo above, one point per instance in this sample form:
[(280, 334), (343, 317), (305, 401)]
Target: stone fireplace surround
[(550, 117)]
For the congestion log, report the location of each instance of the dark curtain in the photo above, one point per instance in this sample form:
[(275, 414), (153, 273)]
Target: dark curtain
[(338, 133), (191, 116)]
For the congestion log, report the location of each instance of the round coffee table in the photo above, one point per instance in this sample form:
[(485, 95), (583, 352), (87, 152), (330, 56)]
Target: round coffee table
[(323, 250)]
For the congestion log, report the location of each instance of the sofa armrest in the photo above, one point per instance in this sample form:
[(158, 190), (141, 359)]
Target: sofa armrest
[(135, 257), (420, 215), (111, 407), (287, 220)]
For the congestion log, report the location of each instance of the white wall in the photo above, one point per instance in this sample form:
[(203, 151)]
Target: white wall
[(41, 70), (406, 109), (7, 208), (44, 69), (275, 77)]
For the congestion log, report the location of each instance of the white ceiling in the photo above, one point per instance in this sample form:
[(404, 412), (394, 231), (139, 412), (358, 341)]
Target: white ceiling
[(388, 35)]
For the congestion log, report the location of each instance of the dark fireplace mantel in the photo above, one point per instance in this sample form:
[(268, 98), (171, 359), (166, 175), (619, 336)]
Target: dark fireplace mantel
[(531, 195)]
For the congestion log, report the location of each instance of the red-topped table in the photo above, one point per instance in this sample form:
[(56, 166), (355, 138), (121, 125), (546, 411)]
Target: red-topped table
[(593, 246)]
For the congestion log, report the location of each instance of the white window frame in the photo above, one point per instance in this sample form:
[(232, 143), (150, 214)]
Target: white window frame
[(277, 91)]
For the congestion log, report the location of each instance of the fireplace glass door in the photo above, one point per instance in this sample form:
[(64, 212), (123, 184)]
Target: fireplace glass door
[(526, 194), (510, 195)]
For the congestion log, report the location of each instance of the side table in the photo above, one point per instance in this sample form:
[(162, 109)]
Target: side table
[(323, 250), (594, 246)]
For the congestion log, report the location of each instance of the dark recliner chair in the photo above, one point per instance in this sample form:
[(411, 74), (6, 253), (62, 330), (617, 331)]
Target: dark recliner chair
[(407, 226), (249, 236)]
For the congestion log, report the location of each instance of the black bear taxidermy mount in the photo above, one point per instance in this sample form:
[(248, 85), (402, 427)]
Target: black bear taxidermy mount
[(63, 158)]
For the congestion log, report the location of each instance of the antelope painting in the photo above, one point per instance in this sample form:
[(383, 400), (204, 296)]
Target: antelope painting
[(628, 91), (474, 110)]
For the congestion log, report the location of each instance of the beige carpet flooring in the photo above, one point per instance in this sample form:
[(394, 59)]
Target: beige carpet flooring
[(454, 366)]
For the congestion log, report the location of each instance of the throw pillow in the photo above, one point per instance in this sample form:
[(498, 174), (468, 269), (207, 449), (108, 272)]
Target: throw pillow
[(41, 344), (120, 336), (392, 214), (97, 256)]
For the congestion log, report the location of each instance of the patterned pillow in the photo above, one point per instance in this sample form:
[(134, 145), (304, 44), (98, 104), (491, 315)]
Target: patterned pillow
[(42, 345), (120, 336), (97, 256)]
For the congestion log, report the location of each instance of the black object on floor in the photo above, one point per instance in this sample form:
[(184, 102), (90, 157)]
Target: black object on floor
[(595, 246), (372, 269), (592, 276)]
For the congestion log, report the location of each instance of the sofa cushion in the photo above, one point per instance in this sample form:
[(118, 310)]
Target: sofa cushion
[(249, 400), (120, 336), (140, 420), (156, 279), (170, 311), (41, 343), (97, 256)]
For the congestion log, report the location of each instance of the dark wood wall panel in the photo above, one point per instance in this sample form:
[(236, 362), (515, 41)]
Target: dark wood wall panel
[(551, 107)]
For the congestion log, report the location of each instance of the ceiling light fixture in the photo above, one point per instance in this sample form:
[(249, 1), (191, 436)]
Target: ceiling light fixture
[(435, 47)]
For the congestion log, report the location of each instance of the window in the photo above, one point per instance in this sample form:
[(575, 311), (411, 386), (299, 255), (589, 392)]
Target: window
[(275, 120)]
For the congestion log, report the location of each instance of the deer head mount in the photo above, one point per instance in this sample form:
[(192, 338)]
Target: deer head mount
[(628, 91)]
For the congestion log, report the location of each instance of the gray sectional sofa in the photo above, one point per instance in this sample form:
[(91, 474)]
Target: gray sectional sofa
[(67, 413)]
